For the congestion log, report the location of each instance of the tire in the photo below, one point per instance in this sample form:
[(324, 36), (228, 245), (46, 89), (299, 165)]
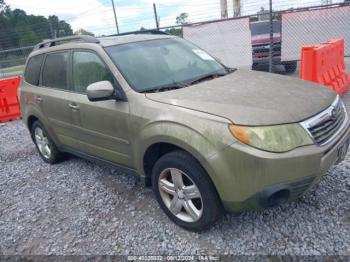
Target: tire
[(290, 67), (52, 156), (193, 199)]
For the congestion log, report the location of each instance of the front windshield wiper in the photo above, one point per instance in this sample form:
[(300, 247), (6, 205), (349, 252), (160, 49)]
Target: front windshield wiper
[(211, 76), (206, 77), (179, 84), (171, 86)]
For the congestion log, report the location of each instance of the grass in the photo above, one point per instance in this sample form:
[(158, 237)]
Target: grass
[(12, 69)]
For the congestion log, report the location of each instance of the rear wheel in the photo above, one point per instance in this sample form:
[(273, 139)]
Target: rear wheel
[(185, 192), (46, 147)]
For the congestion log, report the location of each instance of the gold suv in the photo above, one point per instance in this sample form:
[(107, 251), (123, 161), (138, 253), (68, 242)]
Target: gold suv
[(206, 137)]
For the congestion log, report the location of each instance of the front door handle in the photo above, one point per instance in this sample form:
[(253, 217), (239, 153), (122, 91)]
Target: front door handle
[(73, 106), (39, 99)]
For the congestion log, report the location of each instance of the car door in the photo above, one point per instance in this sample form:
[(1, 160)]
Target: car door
[(54, 97), (102, 126)]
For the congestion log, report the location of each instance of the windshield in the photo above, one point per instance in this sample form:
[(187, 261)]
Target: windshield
[(153, 64), (263, 28)]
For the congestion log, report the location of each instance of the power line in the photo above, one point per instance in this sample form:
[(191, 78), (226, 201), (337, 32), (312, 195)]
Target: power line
[(46, 8), (199, 15)]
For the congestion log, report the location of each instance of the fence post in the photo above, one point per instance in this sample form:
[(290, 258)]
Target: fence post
[(271, 40), (223, 8)]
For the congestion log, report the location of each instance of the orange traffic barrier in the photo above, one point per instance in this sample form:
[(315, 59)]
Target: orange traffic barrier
[(9, 104), (325, 64)]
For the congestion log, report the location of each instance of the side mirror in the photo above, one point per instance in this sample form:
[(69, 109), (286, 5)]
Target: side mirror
[(100, 91)]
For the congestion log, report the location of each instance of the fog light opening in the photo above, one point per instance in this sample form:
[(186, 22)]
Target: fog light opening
[(278, 198)]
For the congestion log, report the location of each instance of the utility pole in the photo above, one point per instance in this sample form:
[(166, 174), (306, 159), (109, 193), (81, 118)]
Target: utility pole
[(236, 8), (155, 15), (271, 40), (115, 17), (223, 7), (51, 30)]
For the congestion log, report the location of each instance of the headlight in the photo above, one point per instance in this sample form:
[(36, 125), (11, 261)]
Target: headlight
[(279, 138)]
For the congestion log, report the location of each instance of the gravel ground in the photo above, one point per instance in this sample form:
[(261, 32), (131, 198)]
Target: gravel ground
[(78, 207)]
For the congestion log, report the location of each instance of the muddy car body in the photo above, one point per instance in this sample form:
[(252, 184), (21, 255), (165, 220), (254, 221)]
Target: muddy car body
[(204, 136)]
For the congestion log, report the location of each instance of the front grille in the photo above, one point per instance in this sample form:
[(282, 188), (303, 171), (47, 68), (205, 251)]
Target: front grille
[(327, 124), (324, 131)]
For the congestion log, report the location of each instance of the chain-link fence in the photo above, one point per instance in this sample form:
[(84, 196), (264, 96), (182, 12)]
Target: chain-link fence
[(220, 39), (269, 39), (274, 38), (12, 61)]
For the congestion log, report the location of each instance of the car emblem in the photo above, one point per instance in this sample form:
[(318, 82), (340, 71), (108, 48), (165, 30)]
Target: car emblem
[(334, 114)]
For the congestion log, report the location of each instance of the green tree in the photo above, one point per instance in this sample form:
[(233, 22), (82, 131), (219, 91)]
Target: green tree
[(18, 29), (174, 31), (53, 24), (82, 31), (64, 29), (40, 26), (3, 6), (182, 19), (8, 34), (58, 27)]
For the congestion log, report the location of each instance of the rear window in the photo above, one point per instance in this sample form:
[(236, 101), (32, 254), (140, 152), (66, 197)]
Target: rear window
[(32, 73), (55, 70)]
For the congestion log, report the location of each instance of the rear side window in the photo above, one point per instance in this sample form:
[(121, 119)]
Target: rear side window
[(88, 68), (55, 70), (32, 73)]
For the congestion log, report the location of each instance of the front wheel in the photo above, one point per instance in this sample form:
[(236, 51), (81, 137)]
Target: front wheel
[(185, 192)]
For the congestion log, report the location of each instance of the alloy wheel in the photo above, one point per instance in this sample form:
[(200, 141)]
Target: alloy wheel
[(42, 142), (180, 195)]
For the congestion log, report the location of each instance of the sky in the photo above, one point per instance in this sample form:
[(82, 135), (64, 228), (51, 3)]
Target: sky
[(97, 15)]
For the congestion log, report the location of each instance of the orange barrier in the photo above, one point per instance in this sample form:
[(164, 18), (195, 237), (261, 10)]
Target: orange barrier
[(9, 104), (325, 64)]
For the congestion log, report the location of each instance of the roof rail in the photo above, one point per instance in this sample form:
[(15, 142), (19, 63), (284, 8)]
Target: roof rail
[(58, 41), (140, 32)]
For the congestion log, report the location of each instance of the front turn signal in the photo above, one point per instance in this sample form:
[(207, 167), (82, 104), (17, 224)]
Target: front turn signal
[(241, 133)]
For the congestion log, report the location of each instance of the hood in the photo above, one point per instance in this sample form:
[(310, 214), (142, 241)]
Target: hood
[(265, 39), (252, 98)]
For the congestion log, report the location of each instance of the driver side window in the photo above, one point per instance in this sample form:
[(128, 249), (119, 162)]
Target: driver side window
[(87, 69)]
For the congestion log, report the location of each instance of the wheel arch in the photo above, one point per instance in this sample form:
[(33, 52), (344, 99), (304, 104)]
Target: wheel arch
[(31, 115), (156, 150), (36, 115), (30, 121), (165, 136)]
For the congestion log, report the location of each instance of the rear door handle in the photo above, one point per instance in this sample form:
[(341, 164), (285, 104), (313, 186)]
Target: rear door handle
[(73, 106), (39, 99)]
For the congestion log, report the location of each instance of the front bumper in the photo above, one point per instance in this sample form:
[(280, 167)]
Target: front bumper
[(245, 177)]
